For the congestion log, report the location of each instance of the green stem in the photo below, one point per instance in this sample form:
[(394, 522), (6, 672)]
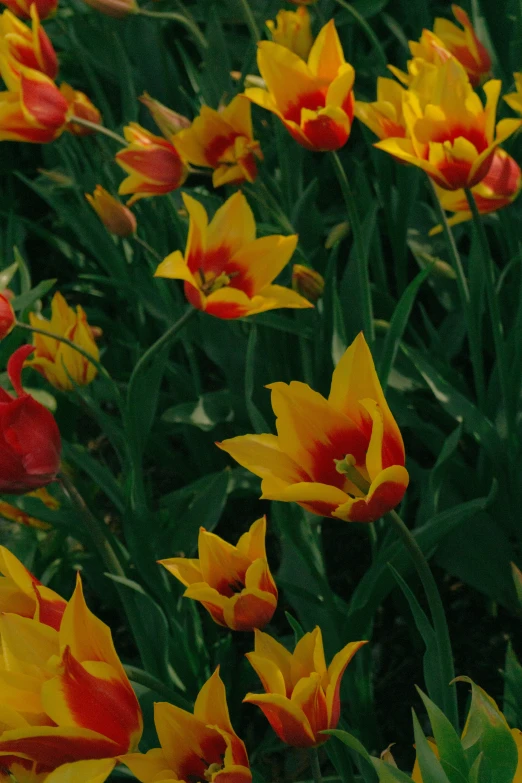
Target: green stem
[(361, 251), (147, 247), (367, 29), (98, 129), (494, 308), (101, 369), (440, 626), (250, 20), (474, 337), (190, 25), (142, 677), (315, 765)]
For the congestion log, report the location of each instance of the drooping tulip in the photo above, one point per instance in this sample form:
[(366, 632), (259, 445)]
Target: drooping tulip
[(115, 216)]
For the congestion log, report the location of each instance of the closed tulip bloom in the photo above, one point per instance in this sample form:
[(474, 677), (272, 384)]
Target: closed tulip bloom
[(307, 282), (499, 188), (30, 442), (36, 112), (313, 99), (57, 362), (22, 8), (118, 9), (21, 593), (464, 44), (117, 218), (7, 317), (293, 30), (342, 457), (194, 746), (514, 99), (82, 107), (168, 121), (233, 583), (227, 272), (452, 137), (302, 695), (78, 703), (384, 116), (224, 141), (23, 46), (153, 164)]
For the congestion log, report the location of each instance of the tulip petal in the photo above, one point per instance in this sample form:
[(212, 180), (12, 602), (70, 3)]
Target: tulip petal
[(326, 55), (308, 656), (335, 673), (327, 129), (322, 499), (96, 771), (222, 565), (174, 267), (262, 455), (232, 227), (183, 568), (188, 744), (261, 260), (150, 766), (386, 492), (269, 673), (309, 697), (287, 720), (249, 609), (53, 746), (209, 597), (211, 704), (28, 640), (268, 648), (272, 297), (286, 75), (252, 543)]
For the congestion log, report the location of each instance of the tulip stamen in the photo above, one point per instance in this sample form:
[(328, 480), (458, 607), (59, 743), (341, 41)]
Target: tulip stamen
[(347, 468)]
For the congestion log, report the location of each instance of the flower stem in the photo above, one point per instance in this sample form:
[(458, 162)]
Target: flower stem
[(365, 295), (189, 24), (477, 361), (147, 247), (142, 677), (367, 29), (98, 129), (494, 309), (250, 20), (440, 626), (315, 765)]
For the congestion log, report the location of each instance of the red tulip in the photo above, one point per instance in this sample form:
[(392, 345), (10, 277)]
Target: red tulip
[(29, 436)]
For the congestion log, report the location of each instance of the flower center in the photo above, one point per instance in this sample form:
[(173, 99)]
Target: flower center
[(346, 467)]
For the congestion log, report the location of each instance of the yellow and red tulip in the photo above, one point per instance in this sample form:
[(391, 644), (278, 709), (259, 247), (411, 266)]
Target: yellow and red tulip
[(36, 112), (384, 116), (82, 107), (168, 121), (15, 514), (342, 457), (7, 317), (233, 583), (307, 282), (426, 52), (293, 30), (57, 362), (23, 46), (451, 135), (314, 99), (464, 44), (224, 141), (194, 746), (500, 187), (77, 704), (22, 8), (227, 271), (115, 216), (514, 99), (301, 696), (154, 166), (21, 593)]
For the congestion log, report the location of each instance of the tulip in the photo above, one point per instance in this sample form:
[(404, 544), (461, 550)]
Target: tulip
[(22, 8), (293, 30), (21, 593), (500, 187), (116, 218), (118, 9), (384, 116), (452, 136), (194, 747), (168, 121), (21, 46), (314, 100), (78, 703), (307, 282), (29, 437), (153, 164), (36, 112), (464, 44), (227, 271), (514, 99), (342, 457), (427, 51), (233, 583), (224, 141), (301, 696), (7, 317), (82, 107), (59, 363)]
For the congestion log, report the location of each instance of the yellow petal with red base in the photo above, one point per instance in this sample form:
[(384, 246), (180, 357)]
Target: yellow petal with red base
[(233, 227), (252, 608), (96, 771), (308, 656), (261, 260), (263, 456), (286, 718), (385, 492), (335, 673), (270, 673), (183, 568), (53, 746)]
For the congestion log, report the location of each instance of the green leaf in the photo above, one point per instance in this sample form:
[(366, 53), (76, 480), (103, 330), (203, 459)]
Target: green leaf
[(452, 757), (7, 274), (211, 409), (389, 774), (258, 421), (430, 767), (351, 741), (296, 627), (30, 297), (512, 688)]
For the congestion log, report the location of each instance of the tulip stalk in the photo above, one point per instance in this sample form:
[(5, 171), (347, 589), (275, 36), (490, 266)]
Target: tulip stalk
[(250, 20), (361, 21), (440, 626), (360, 250), (190, 25), (315, 766), (98, 129)]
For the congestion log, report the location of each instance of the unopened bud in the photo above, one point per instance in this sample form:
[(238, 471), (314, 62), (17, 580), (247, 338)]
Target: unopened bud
[(168, 121), (307, 282), (338, 233), (7, 317), (115, 216)]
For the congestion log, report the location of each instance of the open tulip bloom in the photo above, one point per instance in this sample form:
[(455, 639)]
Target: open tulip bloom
[(21, 593), (314, 99), (341, 457), (23, 46), (227, 272), (301, 696)]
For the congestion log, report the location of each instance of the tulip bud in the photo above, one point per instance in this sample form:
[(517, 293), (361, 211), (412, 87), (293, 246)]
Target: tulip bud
[(80, 106), (292, 29), (168, 121), (30, 442), (117, 218), (307, 282), (118, 9), (7, 317)]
